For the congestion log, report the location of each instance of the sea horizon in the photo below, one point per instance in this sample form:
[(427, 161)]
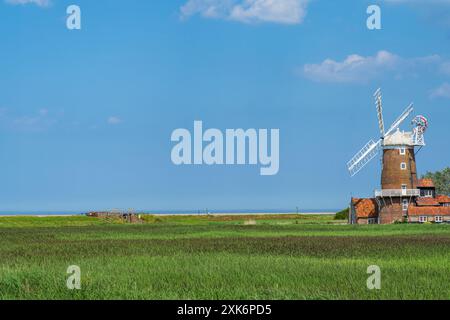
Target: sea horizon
[(170, 212)]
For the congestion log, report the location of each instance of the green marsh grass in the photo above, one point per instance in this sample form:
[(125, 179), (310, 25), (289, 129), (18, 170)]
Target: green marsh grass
[(190, 257)]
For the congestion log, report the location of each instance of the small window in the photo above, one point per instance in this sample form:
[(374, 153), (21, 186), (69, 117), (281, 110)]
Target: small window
[(403, 166), (402, 151), (404, 187), (405, 205), (438, 219), (428, 193), (422, 219)]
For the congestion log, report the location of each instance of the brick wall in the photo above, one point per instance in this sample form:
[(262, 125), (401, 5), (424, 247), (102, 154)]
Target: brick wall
[(391, 212), (392, 176)]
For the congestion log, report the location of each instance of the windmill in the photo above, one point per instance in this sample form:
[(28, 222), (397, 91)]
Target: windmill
[(371, 149), (398, 174)]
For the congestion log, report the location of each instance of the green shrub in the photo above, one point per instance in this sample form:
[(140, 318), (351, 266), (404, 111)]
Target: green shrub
[(342, 215)]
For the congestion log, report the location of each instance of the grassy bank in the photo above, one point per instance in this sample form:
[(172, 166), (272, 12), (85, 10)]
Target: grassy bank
[(221, 257)]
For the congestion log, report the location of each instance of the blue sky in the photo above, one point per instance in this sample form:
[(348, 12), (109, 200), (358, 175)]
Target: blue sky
[(86, 115)]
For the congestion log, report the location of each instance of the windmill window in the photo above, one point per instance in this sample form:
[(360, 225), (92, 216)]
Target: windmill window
[(403, 166), (405, 205), (402, 151)]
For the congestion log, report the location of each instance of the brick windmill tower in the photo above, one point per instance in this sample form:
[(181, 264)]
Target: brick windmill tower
[(399, 172)]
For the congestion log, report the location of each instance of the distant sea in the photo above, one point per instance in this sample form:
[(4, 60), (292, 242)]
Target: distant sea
[(171, 212)]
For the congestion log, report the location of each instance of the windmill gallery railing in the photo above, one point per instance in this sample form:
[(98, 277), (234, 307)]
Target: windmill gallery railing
[(397, 193)]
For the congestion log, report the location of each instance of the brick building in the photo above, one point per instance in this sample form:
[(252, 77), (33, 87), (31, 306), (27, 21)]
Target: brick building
[(424, 206)]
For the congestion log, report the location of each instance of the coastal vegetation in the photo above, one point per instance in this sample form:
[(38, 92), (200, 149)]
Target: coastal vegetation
[(221, 257)]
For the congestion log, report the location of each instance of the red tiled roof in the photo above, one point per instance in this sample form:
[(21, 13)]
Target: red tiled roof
[(430, 211), (365, 208), (426, 201), (442, 198), (425, 183)]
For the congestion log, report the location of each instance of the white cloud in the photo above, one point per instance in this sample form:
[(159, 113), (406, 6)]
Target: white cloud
[(114, 120), (286, 11), (40, 3), (248, 11), (441, 92), (356, 68)]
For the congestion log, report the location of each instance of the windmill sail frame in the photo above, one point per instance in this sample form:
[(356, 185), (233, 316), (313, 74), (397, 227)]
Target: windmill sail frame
[(363, 157), (371, 149)]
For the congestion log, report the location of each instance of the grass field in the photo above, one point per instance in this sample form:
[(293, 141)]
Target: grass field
[(221, 257)]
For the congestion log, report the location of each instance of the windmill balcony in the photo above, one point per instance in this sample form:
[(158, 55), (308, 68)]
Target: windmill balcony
[(397, 193)]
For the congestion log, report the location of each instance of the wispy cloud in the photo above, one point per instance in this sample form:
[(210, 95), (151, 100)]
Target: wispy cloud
[(356, 68), (442, 91), (113, 120), (40, 3), (248, 11), (445, 68), (36, 121), (44, 119)]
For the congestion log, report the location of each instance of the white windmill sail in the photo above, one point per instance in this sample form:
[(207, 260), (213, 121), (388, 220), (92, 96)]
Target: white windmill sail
[(370, 150), (363, 157), (379, 104), (400, 119)]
